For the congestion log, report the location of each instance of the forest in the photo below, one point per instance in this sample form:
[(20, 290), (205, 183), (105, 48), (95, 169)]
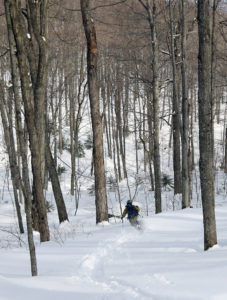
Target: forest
[(108, 101)]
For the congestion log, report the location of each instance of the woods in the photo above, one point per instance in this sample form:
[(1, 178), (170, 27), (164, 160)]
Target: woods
[(112, 93)]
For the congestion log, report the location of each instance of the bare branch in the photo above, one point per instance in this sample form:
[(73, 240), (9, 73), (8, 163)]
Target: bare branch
[(97, 7), (3, 54), (143, 4)]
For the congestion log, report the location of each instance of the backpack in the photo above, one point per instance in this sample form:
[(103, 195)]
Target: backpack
[(132, 211)]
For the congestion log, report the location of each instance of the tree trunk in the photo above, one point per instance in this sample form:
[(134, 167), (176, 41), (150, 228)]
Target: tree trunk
[(213, 61), (118, 109), (10, 145), (150, 127), (206, 162), (109, 118), (175, 112), (98, 152), (135, 124), (26, 184), (185, 120), (72, 133), (28, 95), (155, 92), (226, 150), (62, 213)]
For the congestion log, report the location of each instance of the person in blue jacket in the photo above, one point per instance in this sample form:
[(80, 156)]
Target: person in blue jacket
[(133, 212)]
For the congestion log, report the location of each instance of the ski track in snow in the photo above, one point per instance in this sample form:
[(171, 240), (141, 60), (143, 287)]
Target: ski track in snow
[(163, 261), (94, 268)]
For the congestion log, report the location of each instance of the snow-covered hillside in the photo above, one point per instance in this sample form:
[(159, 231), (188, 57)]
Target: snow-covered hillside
[(165, 260)]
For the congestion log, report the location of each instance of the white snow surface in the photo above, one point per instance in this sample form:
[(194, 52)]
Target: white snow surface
[(165, 260)]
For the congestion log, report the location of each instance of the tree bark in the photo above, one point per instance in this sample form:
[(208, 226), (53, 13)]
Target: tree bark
[(206, 162), (98, 152), (185, 119), (10, 145), (62, 213), (26, 184), (155, 91), (225, 151), (27, 89), (175, 112), (72, 134)]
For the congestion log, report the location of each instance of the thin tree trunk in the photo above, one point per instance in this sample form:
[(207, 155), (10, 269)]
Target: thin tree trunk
[(150, 156), (62, 213), (10, 145), (191, 141), (135, 125), (118, 106), (60, 136), (226, 150), (155, 91), (26, 184), (72, 133), (109, 119), (213, 61), (176, 122), (185, 119)]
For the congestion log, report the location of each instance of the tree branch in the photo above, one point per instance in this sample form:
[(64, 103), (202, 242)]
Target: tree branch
[(97, 7), (3, 54), (143, 4)]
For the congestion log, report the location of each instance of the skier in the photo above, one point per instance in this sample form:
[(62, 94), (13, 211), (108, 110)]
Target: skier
[(133, 213)]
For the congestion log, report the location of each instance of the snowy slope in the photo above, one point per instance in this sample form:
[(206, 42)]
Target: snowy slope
[(164, 261), (115, 261)]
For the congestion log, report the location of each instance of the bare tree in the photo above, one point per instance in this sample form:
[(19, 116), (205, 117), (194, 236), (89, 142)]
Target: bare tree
[(98, 153), (25, 173), (6, 116), (33, 85), (150, 7), (185, 117), (206, 162), (175, 111), (225, 159)]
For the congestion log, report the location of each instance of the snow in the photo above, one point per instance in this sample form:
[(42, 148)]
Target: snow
[(164, 260)]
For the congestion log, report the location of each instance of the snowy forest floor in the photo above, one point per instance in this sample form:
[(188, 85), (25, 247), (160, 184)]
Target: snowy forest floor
[(165, 260)]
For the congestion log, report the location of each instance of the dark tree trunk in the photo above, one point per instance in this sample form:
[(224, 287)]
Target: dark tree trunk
[(225, 166), (72, 133), (98, 152), (25, 173), (175, 112), (150, 154), (206, 162), (185, 119), (10, 145), (28, 95), (155, 91), (62, 213)]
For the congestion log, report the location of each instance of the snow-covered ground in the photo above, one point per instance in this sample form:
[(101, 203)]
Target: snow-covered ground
[(165, 260)]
